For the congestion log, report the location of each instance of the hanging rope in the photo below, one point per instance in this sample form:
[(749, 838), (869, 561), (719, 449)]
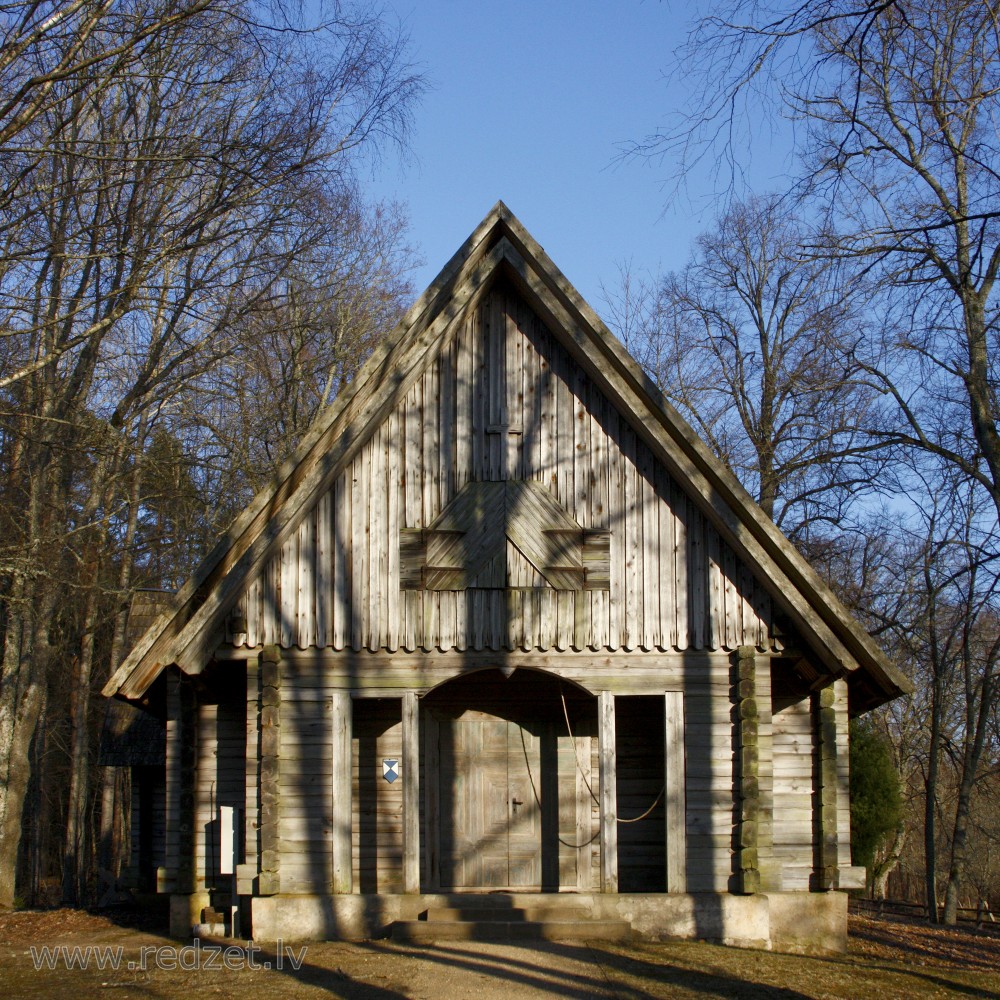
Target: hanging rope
[(538, 801), (583, 773), (576, 749), (656, 802)]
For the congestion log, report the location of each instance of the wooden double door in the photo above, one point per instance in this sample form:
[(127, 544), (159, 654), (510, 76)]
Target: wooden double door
[(492, 814)]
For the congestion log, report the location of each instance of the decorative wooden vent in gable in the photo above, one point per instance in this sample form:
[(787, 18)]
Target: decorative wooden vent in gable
[(504, 535)]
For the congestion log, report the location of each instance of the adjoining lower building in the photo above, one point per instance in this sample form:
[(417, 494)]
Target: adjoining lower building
[(503, 627)]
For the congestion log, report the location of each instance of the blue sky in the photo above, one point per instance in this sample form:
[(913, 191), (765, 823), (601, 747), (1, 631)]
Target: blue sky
[(530, 103)]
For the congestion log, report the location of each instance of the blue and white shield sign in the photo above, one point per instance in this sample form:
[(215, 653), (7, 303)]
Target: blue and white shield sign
[(390, 770)]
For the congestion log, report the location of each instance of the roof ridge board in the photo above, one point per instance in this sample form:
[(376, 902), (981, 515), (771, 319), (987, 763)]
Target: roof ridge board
[(720, 482), (428, 305), (416, 345)]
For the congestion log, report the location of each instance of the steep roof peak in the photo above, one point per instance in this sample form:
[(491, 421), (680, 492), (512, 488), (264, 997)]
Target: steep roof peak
[(500, 245)]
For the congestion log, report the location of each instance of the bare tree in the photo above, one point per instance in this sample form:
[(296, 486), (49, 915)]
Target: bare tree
[(951, 641), (45, 45), (151, 205), (754, 341), (737, 61), (894, 107)]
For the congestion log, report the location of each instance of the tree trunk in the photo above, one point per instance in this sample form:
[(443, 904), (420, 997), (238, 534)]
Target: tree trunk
[(977, 724), (75, 842), (930, 808), (34, 870), (116, 800), (109, 842), (882, 869), (22, 696)]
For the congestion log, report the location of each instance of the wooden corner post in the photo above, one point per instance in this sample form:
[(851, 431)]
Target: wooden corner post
[(247, 872), (411, 792), (187, 785)]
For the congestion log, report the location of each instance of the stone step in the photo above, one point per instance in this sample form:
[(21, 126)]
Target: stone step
[(429, 931), (499, 914)]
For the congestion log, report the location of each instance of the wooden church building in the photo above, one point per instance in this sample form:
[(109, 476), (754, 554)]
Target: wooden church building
[(503, 625)]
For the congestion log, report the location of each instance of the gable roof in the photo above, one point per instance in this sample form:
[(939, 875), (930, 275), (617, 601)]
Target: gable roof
[(185, 634)]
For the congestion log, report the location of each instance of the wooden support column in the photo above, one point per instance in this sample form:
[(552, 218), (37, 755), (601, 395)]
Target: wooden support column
[(746, 874), (269, 879), (246, 873), (411, 792), (430, 737), (166, 877), (343, 805), (584, 815), (674, 791), (609, 791), (825, 840), (187, 774)]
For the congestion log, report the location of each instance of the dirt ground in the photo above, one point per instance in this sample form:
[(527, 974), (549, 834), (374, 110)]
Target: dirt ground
[(889, 958)]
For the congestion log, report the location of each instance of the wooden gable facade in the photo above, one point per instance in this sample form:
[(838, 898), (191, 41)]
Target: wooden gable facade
[(502, 624)]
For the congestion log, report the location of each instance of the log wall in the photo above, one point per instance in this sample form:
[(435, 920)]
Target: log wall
[(794, 766), (796, 773), (307, 815), (503, 401)]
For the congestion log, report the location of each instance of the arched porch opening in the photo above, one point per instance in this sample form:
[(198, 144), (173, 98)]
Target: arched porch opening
[(510, 784)]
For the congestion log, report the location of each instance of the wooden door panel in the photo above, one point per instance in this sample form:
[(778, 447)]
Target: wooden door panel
[(490, 822), (473, 776), (525, 829)]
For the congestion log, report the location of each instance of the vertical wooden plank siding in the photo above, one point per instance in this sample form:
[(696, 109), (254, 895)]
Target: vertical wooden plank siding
[(392, 525), (608, 792), (674, 791), (288, 584), (504, 399), (343, 808), (324, 571), (341, 582), (305, 611), (678, 504), (411, 793)]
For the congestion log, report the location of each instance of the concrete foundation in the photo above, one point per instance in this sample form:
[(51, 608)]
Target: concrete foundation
[(808, 923), (185, 912), (802, 923)]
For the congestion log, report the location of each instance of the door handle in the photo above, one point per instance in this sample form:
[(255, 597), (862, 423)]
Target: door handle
[(516, 802)]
